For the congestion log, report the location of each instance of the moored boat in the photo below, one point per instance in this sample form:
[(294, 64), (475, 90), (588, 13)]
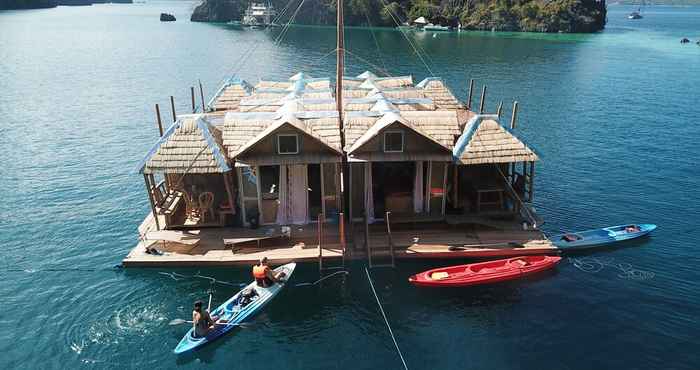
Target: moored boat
[(235, 310), (602, 236), (484, 272)]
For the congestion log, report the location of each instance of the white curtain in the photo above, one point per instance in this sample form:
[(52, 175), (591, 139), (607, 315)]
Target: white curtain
[(298, 194), (418, 191), (369, 196), (283, 208)]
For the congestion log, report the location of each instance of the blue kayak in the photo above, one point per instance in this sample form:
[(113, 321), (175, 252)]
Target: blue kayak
[(599, 237), (235, 310)]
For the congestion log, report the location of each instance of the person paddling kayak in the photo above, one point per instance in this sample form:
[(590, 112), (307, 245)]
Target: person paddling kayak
[(264, 276), (201, 320)]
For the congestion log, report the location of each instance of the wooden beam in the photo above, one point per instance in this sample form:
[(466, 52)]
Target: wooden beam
[(201, 95), (531, 193), (172, 107), (321, 216), (483, 98), (514, 115), (149, 190), (471, 91), (160, 123), (500, 108)]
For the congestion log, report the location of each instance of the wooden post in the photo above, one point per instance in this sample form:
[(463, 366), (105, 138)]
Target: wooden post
[(150, 199), (500, 108), (320, 242), (483, 96), (341, 227), (229, 194), (367, 243), (532, 182), (455, 185), (160, 124), (514, 115), (471, 90), (389, 236), (194, 108), (201, 95), (172, 107)]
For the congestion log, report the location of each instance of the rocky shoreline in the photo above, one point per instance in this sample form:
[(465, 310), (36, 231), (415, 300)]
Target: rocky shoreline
[(570, 16)]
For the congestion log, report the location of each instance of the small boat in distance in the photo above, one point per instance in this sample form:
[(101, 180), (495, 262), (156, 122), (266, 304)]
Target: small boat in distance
[(436, 28), (232, 312), (259, 15), (484, 272), (603, 236), (637, 14)]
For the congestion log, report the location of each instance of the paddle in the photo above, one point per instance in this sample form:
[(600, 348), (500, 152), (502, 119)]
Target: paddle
[(182, 321)]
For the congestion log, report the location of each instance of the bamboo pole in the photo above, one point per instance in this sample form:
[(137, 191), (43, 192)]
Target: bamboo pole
[(483, 97), (194, 108), (471, 91), (229, 194), (201, 95), (514, 115), (160, 123), (172, 107), (149, 189)]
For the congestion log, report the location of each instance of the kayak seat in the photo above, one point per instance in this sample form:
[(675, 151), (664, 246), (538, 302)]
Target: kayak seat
[(439, 275), (521, 263)]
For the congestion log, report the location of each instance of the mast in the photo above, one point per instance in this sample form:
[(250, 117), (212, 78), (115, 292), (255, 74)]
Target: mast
[(339, 69), (340, 65)]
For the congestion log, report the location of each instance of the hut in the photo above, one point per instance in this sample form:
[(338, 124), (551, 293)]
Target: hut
[(195, 189)]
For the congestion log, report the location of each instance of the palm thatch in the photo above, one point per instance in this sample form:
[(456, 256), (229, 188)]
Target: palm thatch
[(486, 141), (190, 145)]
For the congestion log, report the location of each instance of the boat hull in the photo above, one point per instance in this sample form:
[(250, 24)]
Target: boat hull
[(600, 237), (484, 272), (228, 311)]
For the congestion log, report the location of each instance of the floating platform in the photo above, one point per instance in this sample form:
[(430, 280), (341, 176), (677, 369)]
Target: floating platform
[(243, 246)]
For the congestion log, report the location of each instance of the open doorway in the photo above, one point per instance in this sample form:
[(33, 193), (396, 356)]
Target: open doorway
[(392, 187)]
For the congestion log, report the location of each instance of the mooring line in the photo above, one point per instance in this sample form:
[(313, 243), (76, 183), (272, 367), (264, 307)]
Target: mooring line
[(323, 278), (385, 319)]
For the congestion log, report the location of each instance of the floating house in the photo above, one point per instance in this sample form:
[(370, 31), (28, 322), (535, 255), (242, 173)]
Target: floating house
[(267, 170)]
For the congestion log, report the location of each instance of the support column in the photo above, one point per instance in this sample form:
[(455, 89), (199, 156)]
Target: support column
[(149, 190)]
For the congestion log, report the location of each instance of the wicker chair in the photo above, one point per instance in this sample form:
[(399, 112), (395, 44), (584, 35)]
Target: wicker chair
[(191, 210), (206, 203)]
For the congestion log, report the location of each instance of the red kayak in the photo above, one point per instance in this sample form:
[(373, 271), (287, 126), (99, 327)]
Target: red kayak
[(484, 272)]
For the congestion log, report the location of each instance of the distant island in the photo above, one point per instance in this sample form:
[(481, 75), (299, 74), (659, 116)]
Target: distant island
[(571, 16), (41, 4), (26, 4)]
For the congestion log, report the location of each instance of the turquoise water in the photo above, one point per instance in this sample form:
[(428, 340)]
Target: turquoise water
[(614, 116)]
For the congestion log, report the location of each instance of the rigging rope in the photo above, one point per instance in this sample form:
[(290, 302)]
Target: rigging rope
[(385, 319), (415, 49), (376, 42)]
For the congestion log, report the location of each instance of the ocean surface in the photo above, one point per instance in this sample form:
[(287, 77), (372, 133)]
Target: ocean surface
[(615, 117)]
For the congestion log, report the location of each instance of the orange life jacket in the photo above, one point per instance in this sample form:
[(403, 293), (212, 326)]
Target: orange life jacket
[(260, 272)]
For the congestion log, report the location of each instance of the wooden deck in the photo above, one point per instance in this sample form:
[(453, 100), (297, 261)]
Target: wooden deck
[(433, 240)]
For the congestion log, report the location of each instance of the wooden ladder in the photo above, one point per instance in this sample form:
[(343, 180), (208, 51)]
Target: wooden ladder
[(391, 264), (341, 226)]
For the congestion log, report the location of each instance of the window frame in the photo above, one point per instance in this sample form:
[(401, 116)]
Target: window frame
[(296, 138), (403, 141)]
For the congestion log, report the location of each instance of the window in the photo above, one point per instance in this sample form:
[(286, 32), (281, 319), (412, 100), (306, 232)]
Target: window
[(288, 144), (393, 141)]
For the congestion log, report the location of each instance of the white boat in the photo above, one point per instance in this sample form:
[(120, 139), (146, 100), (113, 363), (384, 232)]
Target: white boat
[(259, 15), (436, 28)]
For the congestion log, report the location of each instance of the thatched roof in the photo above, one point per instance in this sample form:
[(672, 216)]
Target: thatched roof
[(435, 89), (190, 145), (360, 129), (229, 94), (241, 132), (486, 141)]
